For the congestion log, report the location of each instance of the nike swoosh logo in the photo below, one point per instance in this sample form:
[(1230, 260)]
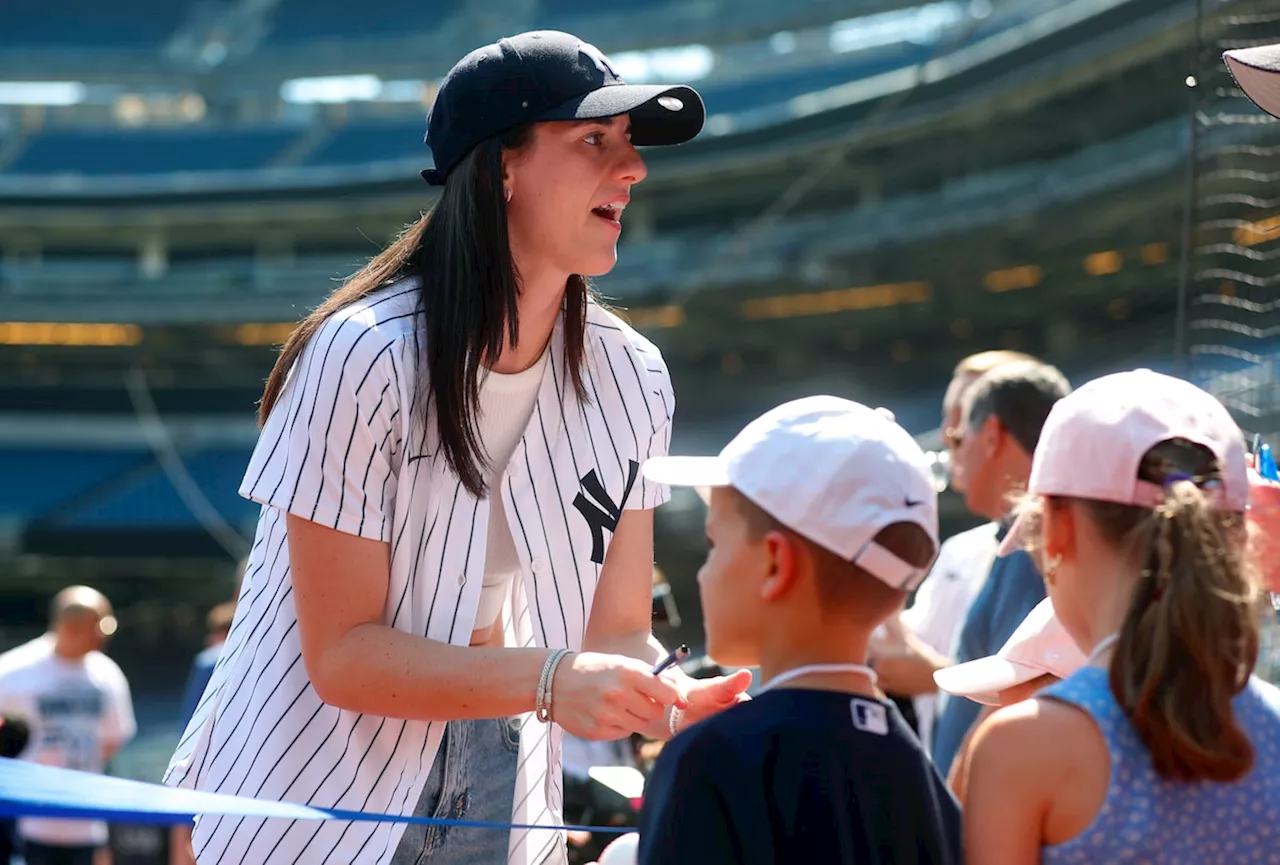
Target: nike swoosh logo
[(912, 504)]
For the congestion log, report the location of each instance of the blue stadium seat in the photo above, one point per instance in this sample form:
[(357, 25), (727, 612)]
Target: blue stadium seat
[(42, 23), (302, 20), (374, 142), (757, 92), (37, 482), (152, 502), (150, 152)]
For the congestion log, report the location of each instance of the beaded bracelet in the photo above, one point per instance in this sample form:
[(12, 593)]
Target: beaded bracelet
[(542, 702)]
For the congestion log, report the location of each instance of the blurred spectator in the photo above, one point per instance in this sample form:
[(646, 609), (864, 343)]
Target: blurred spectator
[(582, 805), (218, 623), (14, 735), (77, 705), (1002, 415), (907, 653)]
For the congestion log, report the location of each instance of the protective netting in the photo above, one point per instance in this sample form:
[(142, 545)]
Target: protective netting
[(1231, 273), (1233, 269)]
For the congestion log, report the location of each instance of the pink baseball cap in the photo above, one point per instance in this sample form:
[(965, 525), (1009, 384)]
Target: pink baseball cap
[(1257, 71), (1095, 438), (1040, 645)]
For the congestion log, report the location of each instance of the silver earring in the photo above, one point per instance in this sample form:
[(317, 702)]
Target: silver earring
[(507, 194)]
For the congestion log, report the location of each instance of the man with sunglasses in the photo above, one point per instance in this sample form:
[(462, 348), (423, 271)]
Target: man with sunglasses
[(908, 652), (1000, 421)]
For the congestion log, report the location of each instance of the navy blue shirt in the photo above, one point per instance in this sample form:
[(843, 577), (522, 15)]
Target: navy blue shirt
[(1012, 590), (198, 680), (799, 776)]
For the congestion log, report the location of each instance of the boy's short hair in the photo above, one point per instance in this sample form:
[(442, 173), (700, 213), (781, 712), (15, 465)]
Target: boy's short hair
[(847, 590)]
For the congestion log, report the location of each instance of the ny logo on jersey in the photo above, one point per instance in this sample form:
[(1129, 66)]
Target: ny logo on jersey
[(602, 63), (604, 512)]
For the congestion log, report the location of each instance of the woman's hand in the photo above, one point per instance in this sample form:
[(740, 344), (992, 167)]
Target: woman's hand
[(1264, 528), (597, 696)]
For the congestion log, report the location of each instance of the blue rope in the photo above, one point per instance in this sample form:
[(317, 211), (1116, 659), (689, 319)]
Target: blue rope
[(32, 790)]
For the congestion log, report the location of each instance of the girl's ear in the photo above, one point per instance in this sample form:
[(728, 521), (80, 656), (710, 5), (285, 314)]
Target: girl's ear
[(1058, 530)]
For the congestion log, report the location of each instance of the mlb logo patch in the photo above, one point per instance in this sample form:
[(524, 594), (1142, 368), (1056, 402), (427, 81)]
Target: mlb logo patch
[(870, 717)]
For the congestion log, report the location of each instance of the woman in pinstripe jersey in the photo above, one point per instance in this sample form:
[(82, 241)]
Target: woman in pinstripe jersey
[(455, 544)]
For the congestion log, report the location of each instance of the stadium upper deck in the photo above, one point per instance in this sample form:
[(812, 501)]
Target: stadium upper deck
[(855, 238)]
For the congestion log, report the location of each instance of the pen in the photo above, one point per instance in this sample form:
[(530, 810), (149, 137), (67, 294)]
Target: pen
[(1266, 463), (676, 656)]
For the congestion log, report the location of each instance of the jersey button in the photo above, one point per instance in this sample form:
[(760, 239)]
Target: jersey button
[(539, 566), (462, 579)]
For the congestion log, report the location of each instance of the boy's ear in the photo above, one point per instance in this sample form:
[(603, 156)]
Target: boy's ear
[(782, 553)]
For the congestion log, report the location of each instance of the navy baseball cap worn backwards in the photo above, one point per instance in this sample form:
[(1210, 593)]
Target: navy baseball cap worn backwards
[(548, 75)]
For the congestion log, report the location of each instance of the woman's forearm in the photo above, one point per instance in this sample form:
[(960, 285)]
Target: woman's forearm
[(379, 670)]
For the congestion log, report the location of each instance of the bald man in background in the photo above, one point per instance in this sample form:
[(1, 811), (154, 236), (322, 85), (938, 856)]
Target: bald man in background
[(76, 703)]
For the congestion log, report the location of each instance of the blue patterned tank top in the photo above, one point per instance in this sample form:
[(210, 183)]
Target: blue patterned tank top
[(1146, 819)]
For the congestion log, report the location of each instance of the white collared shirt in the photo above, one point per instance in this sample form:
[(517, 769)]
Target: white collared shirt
[(943, 603), (345, 447)]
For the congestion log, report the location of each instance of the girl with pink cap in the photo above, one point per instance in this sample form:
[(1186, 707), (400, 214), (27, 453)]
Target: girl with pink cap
[(1136, 505)]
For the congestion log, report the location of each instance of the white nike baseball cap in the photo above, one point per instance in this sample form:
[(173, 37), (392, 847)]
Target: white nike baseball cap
[(1040, 645), (830, 469), (1257, 71)]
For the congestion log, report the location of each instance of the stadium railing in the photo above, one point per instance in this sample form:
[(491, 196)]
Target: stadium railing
[(967, 204)]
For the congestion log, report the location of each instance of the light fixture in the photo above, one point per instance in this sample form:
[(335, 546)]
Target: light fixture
[(838, 300), (68, 333), (1103, 263), (1013, 278)]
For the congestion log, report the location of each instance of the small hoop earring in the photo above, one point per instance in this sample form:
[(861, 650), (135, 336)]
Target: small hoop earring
[(506, 193), (1051, 569)]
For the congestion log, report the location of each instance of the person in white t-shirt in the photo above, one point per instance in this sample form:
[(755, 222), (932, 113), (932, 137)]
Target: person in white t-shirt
[(907, 652), (77, 705)]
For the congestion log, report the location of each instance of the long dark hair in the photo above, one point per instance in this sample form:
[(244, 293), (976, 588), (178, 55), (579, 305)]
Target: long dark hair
[(461, 253)]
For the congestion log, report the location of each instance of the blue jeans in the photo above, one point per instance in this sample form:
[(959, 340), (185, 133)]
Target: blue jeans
[(473, 778)]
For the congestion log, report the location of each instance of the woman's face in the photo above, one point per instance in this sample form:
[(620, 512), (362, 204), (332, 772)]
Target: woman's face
[(568, 190)]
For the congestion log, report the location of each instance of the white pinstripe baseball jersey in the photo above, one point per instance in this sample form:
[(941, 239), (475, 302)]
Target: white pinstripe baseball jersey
[(344, 446)]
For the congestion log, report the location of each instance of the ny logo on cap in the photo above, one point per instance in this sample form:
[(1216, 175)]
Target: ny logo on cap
[(595, 56)]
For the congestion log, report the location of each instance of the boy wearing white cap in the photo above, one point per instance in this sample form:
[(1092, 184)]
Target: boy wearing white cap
[(822, 517)]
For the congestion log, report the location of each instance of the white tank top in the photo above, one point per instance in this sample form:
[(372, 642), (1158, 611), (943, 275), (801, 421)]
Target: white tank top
[(506, 406)]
